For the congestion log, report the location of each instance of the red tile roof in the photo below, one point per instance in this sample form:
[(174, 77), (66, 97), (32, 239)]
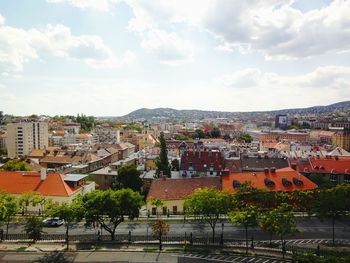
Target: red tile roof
[(339, 165), (259, 179), (24, 182), (177, 189)]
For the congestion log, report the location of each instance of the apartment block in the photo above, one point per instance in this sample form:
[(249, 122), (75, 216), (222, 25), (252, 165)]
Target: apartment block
[(24, 137)]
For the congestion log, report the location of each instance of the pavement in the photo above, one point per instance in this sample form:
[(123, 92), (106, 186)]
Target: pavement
[(60, 257)]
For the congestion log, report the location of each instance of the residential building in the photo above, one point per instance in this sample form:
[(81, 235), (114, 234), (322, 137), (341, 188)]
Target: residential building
[(174, 191), (58, 187), (2, 140), (71, 127), (23, 137), (341, 138), (335, 169), (107, 134), (202, 163), (285, 180), (291, 136), (105, 176)]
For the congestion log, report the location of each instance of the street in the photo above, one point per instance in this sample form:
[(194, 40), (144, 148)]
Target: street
[(310, 228)]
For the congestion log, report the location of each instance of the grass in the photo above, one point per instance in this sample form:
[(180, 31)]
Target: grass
[(21, 248)]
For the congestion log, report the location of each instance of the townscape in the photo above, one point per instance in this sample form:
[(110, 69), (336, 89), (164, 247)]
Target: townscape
[(270, 174), (175, 131)]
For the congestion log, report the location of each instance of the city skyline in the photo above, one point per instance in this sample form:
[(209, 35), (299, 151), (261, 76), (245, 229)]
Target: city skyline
[(108, 58)]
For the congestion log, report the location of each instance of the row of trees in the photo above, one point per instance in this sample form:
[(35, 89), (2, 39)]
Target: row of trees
[(107, 208), (271, 211)]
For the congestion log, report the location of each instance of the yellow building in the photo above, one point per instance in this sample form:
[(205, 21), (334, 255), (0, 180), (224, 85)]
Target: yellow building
[(146, 139), (342, 139), (173, 192), (150, 162)]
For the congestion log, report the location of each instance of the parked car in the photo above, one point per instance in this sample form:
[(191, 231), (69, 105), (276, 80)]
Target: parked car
[(51, 222)]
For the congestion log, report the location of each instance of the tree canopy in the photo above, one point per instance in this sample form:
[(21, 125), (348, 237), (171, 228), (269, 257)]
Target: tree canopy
[(162, 162), (109, 207), (16, 165), (208, 203), (128, 177)]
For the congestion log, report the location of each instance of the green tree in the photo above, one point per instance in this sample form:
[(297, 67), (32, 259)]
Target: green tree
[(16, 165), (330, 204), (280, 221), (175, 165), (31, 198), (162, 161), (245, 138), (128, 177), (68, 212), (246, 216), (8, 209), (160, 228), (86, 123), (215, 132), (181, 137), (198, 134), (209, 204), (109, 207), (34, 227)]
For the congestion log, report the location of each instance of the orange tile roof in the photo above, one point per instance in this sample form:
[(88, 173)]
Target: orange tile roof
[(58, 132), (24, 182), (177, 189), (340, 166), (258, 180)]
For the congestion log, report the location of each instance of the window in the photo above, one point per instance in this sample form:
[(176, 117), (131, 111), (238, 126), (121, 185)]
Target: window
[(333, 178), (154, 211), (346, 178), (174, 209), (164, 210)]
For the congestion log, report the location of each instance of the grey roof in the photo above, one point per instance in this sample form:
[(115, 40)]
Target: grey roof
[(257, 164), (105, 171), (74, 177)]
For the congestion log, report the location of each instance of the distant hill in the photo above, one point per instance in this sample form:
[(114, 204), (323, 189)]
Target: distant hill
[(168, 113)]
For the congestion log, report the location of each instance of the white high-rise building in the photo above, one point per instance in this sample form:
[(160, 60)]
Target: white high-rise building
[(23, 137)]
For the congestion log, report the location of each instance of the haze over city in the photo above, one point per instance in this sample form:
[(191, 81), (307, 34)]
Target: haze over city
[(108, 57)]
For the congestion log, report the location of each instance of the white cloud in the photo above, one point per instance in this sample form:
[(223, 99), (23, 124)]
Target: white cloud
[(169, 48), (129, 58), (101, 5), (279, 30), (19, 46), (2, 20), (329, 77), (254, 89), (274, 27)]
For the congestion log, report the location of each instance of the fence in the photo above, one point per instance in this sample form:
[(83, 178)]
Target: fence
[(122, 238), (188, 239)]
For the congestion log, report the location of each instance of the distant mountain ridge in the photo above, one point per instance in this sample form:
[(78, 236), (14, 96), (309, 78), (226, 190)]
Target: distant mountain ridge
[(169, 113)]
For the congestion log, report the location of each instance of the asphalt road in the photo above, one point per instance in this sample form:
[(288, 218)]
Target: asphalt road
[(307, 229)]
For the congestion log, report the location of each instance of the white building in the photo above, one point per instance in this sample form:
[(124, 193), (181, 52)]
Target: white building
[(23, 137)]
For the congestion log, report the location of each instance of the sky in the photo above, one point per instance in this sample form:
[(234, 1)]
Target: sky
[(110, 57)]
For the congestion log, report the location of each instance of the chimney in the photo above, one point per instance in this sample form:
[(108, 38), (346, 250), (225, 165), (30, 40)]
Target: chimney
[(43, 174)]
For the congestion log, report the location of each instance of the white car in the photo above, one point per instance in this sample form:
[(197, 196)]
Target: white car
[(52, 222)]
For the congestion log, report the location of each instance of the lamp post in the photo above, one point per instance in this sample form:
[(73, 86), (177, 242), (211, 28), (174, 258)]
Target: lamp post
[(222, 233)]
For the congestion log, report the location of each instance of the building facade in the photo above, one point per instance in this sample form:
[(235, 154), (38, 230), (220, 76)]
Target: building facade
[(24, 137)]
